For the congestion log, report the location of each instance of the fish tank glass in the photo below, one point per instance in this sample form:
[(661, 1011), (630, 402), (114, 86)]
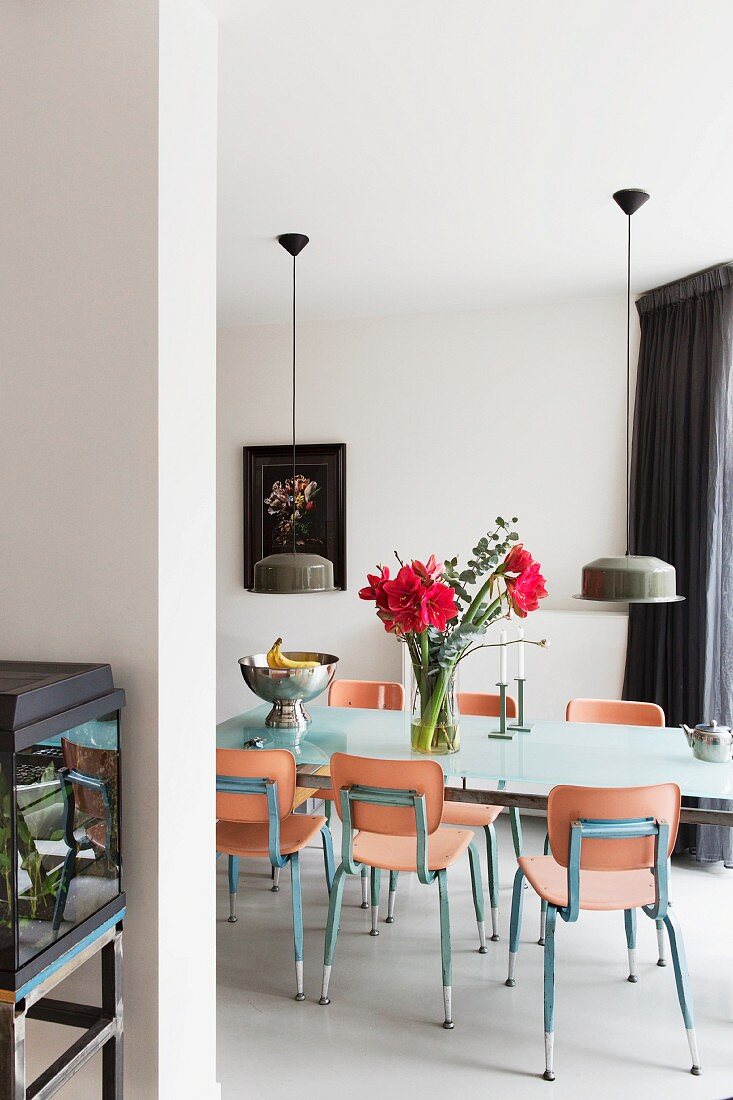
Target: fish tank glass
[(60, 859)]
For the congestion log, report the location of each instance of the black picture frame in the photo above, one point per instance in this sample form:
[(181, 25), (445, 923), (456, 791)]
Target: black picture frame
[(264, 532)]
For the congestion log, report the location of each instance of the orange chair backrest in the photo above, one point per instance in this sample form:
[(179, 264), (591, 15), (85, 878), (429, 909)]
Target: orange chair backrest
[(276, 764), (568, 804), (485, 704), (367, 694), (423, 776), (614, 712)]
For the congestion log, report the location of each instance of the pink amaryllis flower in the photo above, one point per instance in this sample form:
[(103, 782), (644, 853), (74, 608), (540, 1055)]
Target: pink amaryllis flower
[(526, 590), (439, 605), (518, 559), (375, 587), (405, 600), (430, 570)]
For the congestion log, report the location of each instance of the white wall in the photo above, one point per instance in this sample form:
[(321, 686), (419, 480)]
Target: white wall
[(91, 520), (449, 420)]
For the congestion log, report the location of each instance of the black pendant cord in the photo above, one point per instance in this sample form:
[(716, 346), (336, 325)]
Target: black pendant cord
[(294, 509), (628, 387)]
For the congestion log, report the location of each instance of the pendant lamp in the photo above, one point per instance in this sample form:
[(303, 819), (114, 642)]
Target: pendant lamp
[(293, 572), (631, 578)]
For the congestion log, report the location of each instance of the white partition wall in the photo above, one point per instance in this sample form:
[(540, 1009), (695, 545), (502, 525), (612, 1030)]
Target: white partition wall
[(107, 376)]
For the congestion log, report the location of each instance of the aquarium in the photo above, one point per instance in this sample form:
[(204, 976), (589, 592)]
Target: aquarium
[(60, 859)]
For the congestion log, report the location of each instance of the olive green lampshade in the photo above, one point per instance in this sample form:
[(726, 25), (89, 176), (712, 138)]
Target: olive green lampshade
[(290, 574), (629, 578)]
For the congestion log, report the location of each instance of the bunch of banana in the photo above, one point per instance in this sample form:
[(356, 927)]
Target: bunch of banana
[(277, 659)]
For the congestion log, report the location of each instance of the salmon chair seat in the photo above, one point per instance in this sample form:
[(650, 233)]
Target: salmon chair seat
[(254, 799), (614, 712), (471, 817), (599, 890), (610, 850), (391, 812), (251, 839), (399, 853)]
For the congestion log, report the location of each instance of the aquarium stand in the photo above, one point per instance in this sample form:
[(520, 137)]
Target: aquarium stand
[(101, 1025)]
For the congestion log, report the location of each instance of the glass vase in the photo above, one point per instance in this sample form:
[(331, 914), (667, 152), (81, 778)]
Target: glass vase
[(434, 728)]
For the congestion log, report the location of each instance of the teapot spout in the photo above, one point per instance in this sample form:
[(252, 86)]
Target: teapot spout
[(688, 733)]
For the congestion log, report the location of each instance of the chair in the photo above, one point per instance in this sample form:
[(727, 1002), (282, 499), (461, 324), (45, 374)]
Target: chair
[(610, 852), (89, 787), (365, 695), (254, 800), (615, 712), (396, 806), (483, 817)]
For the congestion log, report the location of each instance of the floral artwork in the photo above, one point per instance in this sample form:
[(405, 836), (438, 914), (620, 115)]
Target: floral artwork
[(431, 609), (288, 508), (302, 510)]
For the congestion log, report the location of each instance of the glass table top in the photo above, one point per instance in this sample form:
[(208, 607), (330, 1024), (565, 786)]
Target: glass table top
[(553, 752)]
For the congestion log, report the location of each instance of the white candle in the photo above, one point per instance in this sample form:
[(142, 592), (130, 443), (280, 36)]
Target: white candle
[(502, 658), (520, 653)]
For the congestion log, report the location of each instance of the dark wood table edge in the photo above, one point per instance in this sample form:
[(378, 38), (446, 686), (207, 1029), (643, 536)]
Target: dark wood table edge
[(688, 816)]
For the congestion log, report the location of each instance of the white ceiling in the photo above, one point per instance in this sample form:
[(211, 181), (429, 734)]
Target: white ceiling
[(458, 155)]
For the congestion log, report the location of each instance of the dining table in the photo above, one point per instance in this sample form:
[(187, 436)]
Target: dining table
[(525, 766)]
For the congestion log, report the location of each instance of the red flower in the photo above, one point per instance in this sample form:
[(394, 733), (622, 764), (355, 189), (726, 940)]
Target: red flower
[(375, 588), (405, 600), (518, 559), (429, 571), (526, 590), (440, 605)]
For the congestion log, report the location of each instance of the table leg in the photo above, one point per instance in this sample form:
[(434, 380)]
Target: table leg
[(112, 1004), (12, 1051)]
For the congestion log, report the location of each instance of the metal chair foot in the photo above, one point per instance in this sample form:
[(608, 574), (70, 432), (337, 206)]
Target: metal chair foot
[(373, 931), (661, 962), (494, 938), (511, 982), (300, 996), (632, 978), (232, 920), (448, 1025), (541, 942), (548, 1076), (696, 1071), (389, 920), (364, 905), (325, 1001)]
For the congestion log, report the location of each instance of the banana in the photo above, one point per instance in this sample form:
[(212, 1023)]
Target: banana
[(277, 659)]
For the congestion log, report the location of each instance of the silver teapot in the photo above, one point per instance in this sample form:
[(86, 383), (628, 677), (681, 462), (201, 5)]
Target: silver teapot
[(710, 742)]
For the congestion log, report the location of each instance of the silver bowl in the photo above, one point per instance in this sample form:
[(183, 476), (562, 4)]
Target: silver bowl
[(288, 688)]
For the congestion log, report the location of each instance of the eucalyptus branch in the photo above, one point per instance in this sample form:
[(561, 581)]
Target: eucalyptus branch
[(542, 644)]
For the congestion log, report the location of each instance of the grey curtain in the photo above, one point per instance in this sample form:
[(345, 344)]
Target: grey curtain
[(681, 655)]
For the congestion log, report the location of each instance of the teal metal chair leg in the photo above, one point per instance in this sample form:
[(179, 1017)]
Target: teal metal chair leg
[(684, 993), (376, 884), (392, 896), (630, 925), (445, 949), (549, 1073), (493, 862), (543, 906), (332, 929), (661, 961), (515, 926), (364, 887), (297, 924), (328, 810), (275, 879), (516, 823), (233, 881), (328, 855), (477, 886)]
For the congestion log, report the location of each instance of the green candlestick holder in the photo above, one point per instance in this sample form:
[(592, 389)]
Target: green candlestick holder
[(504, 732), (519, 726)]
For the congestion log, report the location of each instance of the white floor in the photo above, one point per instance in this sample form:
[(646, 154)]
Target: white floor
[(382, 1036)]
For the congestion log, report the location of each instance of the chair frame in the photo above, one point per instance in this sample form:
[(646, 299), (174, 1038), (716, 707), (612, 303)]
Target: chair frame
[(230, 784), (395, 797), (68, 777), (608, 829)]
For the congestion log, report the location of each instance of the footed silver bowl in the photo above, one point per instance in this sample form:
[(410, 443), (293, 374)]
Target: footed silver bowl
[(288, 688)]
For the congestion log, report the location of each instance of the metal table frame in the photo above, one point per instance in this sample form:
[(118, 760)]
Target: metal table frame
[(102, 1025), (689, 815)]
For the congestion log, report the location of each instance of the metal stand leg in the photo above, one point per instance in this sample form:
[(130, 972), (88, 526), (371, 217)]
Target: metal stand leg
[(112, 1051), (493, 861), (12, 1051), (392, 896), (661, 961), (376, 883), (365, 887), (275, 880), (332, 930), (684, 993), (233, 880), (328, 855), (549, 1073), (445, 949), (478, 895), (515, 926), (297, 925), (630, 925)]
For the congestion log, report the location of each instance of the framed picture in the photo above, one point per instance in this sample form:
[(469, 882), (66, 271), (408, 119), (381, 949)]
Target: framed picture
[(320, 504)]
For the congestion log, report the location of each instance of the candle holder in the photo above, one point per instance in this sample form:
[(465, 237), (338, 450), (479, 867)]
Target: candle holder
[(519, 726), (504, 732)]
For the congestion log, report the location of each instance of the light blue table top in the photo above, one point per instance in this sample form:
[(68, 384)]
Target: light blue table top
[(554, 752)]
